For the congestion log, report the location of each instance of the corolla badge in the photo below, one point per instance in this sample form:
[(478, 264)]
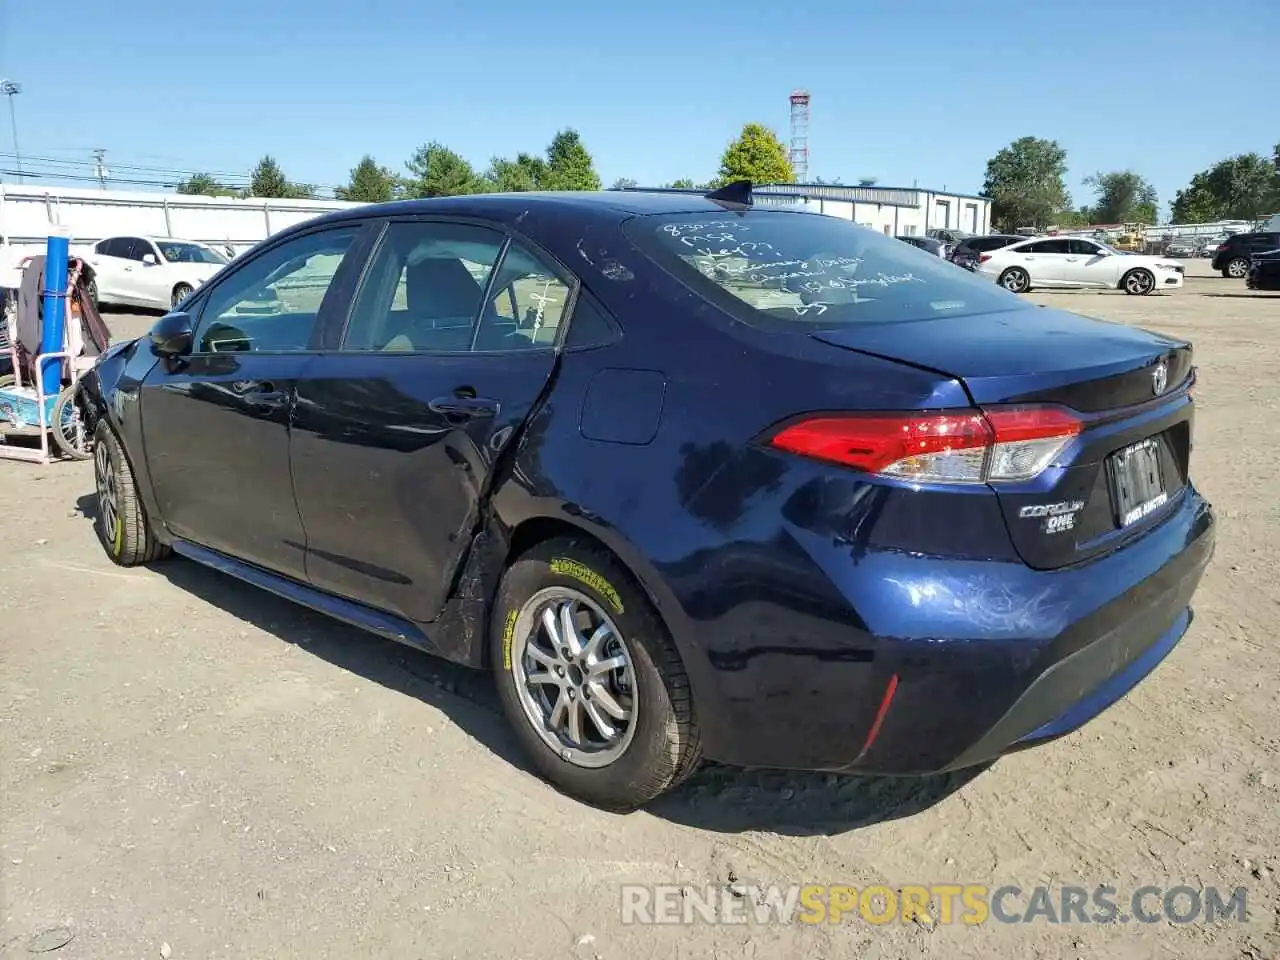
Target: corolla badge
[(1159, 378)]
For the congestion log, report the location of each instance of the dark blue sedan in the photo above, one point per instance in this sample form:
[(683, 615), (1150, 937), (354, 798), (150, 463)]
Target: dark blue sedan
[(694, 478)]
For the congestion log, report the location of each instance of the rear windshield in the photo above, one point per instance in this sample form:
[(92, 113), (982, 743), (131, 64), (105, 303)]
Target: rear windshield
[(797, 271)]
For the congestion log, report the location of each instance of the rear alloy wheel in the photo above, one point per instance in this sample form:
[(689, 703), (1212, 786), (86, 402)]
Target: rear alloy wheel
[(1138, 283), (180, 293), (590, 679), (1236, 268), (1016, 280), (121, 525)]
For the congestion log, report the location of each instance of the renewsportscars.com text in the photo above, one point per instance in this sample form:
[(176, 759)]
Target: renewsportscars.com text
[(967, 904)]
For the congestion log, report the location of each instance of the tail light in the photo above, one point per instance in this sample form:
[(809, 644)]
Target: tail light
[(983, 258), (995, 444)]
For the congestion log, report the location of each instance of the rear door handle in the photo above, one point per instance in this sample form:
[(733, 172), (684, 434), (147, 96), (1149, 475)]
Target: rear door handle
[(469, 407)]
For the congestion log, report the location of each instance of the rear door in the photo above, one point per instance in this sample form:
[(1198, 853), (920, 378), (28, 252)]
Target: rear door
[(216, 423), (1045, 261), (450, 343)]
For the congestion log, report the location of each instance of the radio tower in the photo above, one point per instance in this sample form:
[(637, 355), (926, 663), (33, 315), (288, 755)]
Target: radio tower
[(800, 135)]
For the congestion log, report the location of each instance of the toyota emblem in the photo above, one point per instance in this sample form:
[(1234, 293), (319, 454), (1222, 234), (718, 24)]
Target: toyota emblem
[(1159, 378)]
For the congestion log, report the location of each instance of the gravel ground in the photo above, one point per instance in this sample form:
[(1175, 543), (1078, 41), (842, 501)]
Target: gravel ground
[(193, 769)]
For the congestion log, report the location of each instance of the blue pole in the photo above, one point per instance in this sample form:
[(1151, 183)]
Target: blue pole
[(55, 312)]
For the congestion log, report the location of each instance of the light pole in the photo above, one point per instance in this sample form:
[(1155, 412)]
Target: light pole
[(11, 89)]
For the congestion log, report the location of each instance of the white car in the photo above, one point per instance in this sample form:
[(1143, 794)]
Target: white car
[(1073, 262), (154, 272)]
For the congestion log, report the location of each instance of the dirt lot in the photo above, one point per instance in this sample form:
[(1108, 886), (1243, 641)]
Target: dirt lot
[(193, 769)]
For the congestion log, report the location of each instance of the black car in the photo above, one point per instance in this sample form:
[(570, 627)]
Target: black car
[(1232, 257), (692, 478), (1264, 271), (967, 251)]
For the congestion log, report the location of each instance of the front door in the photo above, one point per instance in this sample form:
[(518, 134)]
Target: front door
[(450, 344), (216, 423), (1088, 265), (1045, 262)]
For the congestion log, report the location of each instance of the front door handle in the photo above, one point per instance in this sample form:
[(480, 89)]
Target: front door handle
[(468, 407)]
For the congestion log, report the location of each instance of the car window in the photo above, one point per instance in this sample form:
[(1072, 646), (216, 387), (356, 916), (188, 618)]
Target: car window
[(177, 252), (423, 289), (103, 247), (1083, 248), (1048, 246), (270, 305), (527, 304), (591, 326), (118, 247), (790, 271)]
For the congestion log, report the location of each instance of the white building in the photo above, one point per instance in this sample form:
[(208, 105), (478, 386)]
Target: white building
[(897, 211)]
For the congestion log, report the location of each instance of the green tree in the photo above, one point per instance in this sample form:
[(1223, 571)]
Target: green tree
[(624, 183), (205, 185), (520, 175), (684, 183), (756, 155), (569, 165), (369, 183), (1243, 187), (1025, 183), (436, 171), (1123, 197), (268, 180)]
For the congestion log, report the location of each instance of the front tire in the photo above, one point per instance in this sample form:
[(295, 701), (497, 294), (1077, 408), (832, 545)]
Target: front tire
[(1138, 283), (121, 523), (1236, 268), (590, 679), (180, 293), (1015, 280)]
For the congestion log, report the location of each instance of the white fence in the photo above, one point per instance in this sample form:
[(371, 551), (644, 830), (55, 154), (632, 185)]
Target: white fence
[(27, 215)]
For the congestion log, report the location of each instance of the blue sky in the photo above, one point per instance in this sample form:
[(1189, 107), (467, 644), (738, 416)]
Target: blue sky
[(903, 91)]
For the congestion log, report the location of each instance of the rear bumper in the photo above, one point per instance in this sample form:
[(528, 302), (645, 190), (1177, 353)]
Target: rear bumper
[(944, 664)]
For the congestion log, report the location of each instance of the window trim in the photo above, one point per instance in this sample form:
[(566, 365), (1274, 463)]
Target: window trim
[(507, 235), (355, 257)]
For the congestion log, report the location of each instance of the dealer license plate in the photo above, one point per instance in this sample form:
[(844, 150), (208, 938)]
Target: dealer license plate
[(1137, 482)]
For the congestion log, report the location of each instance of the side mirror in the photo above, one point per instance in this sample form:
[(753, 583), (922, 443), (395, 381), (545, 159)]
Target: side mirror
[(149, 259), (171, 336)]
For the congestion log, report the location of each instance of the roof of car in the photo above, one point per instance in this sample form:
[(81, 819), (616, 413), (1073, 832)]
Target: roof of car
[(618, 204)]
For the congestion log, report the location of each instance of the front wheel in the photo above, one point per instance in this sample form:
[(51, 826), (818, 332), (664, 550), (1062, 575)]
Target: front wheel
[(1138, 283), (1016, 280), (590, 679), (121, 524), (180, 293)]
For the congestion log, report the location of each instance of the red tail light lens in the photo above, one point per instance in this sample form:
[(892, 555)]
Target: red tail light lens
[(984, 257), (997, 444)]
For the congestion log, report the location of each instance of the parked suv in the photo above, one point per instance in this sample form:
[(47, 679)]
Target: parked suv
[(967, 250), (1233, 256)]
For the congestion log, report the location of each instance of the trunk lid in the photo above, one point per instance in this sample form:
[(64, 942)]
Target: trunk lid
[(1129, 464)]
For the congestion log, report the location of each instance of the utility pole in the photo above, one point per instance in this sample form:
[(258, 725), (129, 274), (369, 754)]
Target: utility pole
[(11, 89), (99, 170)]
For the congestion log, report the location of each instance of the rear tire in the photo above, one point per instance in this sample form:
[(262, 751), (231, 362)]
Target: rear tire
[(121, 523), (1236, 268), (657, 744), (180, 293), (1138, 283), (1015, 280)]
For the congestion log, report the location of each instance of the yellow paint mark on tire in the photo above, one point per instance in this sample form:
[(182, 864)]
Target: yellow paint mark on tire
[(117, 541), (508, 634), (572, 568)]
